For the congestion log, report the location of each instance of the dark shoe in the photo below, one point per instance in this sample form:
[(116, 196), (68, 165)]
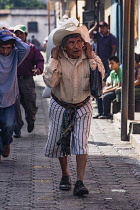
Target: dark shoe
[(96, 116), (80, 189), (30, 128), (105, 117), (17, 135), (6, 151), (65, 183)]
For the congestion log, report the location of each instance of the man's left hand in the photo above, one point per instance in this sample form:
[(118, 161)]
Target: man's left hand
[(36, 71), (88, 50)]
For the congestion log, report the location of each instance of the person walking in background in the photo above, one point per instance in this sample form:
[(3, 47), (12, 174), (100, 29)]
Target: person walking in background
[(35, 42), (12, 52), (93, 41), (67, 73), (33, 65), (106, 44)]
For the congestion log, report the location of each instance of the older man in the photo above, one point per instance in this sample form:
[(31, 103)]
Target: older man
[(67, 73), (12, 52)]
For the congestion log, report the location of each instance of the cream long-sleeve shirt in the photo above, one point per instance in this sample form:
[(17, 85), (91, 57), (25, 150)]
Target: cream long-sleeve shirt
[(70, 81)]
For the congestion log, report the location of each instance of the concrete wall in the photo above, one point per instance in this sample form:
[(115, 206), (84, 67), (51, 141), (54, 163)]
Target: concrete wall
[(23, 16), (80, 6), (137, 40)]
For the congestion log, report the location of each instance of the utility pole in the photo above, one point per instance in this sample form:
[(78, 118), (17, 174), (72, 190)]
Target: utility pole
[(131, 98), (98, 19), (125, 74), (98, 11), (76, 2)]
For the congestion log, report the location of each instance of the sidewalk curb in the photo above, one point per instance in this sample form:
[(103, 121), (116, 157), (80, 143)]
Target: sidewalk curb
[(135, 141), (134, 138)]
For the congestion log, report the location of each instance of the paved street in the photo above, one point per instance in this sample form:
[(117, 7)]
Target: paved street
[(29, 180)]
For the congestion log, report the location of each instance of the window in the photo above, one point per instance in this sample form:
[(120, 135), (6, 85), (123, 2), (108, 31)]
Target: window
[(33, 27)]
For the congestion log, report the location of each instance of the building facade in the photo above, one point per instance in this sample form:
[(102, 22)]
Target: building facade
[(36, 21)]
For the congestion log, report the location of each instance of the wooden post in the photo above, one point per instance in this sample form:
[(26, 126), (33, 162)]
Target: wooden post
[(125, 64)]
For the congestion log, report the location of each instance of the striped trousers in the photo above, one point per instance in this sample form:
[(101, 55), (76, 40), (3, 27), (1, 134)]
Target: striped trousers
[(80, 133)]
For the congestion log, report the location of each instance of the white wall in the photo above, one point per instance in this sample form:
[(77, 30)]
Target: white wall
[(23, 16), (137, 47)]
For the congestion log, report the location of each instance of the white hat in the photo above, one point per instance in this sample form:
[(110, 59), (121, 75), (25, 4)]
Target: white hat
[(69, 26)]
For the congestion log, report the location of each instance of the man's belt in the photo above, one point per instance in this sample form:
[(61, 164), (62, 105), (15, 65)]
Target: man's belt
[(24, 77), (70, 105)]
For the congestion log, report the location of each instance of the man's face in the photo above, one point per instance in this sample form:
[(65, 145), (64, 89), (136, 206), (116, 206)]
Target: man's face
[(5, 49), (74, 47), (21, 35), (103, 30), (113, 65)]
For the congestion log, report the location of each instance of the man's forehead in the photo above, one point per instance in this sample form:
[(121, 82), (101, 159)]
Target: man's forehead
[(6, 45), (74, 38), (112, 62), (103, 27), (18, 31)]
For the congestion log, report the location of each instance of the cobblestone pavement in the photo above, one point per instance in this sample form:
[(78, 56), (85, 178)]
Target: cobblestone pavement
[(29, 180)]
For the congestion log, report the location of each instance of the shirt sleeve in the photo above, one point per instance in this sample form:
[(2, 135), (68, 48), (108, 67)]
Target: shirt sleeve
[(22, 48), (52, 73), (96, 61), (120, 75), (38, 59), (112, 76), (113, 40)]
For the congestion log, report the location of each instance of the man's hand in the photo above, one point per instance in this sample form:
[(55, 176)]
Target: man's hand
[(36, 71), (55, 52), (5, 28), (88, 50), (104, 92), (94, 28)]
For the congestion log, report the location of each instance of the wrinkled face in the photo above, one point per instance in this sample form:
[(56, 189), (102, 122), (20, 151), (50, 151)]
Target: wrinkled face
[(73, 47), (103, 30), (113, 65), (5, 49), (21, 35)]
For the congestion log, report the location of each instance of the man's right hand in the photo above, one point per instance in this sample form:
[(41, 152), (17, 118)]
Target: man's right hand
[(55, 52), (95, 26)]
